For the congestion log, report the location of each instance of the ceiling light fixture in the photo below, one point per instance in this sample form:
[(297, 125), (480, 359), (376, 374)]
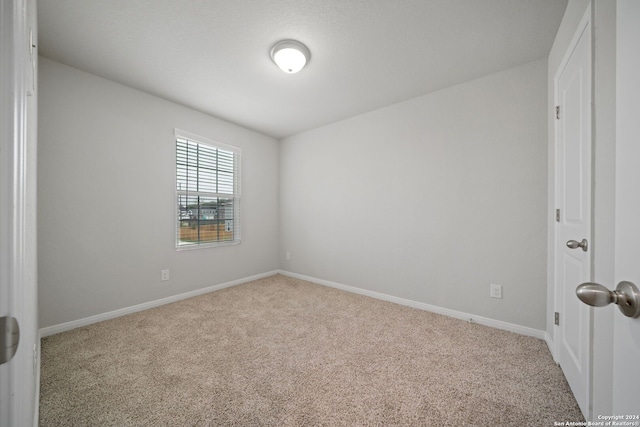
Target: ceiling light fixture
[(290, 55)]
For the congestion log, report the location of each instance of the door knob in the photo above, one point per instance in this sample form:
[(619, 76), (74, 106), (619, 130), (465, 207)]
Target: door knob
[(572, 244), (626, 296), (9, 338)]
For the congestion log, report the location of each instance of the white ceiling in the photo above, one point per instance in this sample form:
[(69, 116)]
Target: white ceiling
[(213, 55)]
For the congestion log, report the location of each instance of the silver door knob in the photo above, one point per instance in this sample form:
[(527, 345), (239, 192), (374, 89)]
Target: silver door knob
[(626, 296), (572, 244), (9, 338)]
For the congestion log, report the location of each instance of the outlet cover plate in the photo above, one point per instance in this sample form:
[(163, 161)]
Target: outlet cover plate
[(496, 291)]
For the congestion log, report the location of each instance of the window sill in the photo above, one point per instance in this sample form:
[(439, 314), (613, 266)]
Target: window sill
[(206, 245)]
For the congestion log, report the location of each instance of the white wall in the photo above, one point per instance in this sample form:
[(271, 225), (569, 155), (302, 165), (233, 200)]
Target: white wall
[(430, 200), (106, 205)]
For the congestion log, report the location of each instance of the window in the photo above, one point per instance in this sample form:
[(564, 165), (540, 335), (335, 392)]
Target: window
[(208, 192)]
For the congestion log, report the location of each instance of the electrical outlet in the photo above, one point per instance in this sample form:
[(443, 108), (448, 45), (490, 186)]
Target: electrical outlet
[(288, 256), (164, 275), (495, 291)]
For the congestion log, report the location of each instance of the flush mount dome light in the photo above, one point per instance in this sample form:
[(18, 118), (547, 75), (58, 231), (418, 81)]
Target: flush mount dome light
[(290, 55)]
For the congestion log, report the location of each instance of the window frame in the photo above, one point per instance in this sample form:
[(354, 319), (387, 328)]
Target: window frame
[(235, 196)]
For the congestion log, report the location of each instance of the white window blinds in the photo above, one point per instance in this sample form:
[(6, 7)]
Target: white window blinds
[(208, 192)]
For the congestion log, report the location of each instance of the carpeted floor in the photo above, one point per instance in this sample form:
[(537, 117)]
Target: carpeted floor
[(284, 352)]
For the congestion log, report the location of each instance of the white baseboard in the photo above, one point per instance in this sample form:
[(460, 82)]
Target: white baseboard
[(63, 327), (498, 324), (522, 330)]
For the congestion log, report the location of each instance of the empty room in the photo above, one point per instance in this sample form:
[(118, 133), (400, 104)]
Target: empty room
[(292, 213)]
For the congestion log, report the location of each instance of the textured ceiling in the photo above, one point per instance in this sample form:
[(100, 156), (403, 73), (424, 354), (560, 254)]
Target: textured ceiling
[(213, 55)]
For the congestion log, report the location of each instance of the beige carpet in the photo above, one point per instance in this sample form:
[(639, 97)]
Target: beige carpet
[(284, 352)]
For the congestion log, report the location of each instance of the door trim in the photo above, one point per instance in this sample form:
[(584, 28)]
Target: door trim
[(18, 281)]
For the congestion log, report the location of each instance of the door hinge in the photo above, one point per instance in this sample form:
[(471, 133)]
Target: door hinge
[(557, 112), (35, 359), (556, 319), (557, 215)]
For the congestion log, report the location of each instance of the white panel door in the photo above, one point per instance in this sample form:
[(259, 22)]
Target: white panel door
[(573, 186), (626, 351)]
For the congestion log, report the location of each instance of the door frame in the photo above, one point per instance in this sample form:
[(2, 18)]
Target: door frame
[(626, 331), (585, 23), (9, 150), (18, 252)]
